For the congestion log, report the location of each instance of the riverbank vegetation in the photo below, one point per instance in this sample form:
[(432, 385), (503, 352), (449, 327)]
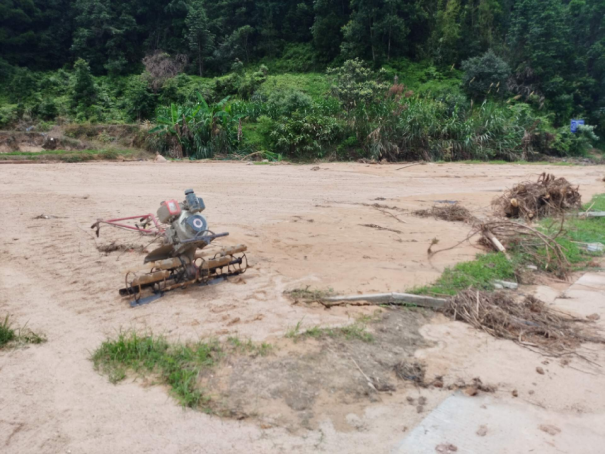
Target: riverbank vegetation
[(395, 80)]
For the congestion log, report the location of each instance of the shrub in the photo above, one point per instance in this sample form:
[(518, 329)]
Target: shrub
[(485, 75), (296, 58), (9, 114), (199, 131), (109, 155), (23, 86), (355, 85), (84, 90), (304, 136), (139, 101), (287, 102), (567, 143), (46, 109)]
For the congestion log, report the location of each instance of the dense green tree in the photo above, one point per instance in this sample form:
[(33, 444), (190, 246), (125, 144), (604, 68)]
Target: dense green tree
[(555, 48), (84, 91), (486, 75), (201, 41), (330, 17), (105, 35), (445, 38), (378, 29)]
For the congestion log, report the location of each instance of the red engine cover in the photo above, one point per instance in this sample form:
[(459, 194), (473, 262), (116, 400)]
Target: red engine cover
[(173, 207)]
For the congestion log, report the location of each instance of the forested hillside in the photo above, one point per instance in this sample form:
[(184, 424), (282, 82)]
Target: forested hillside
[(396, 79)]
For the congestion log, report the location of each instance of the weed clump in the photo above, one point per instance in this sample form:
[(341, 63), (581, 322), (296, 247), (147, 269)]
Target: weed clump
[(22, 335), (452, 213), (7, 334), (309, 295)]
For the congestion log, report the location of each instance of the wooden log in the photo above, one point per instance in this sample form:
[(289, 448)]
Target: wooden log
[(239, 249), (169, 264), (490, 236), (158, 276), (386, 298), (496, 242)]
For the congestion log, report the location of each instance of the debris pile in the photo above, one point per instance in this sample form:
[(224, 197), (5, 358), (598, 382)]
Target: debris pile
[(549, 196), (541, 247), (452, 213), (529, 323)]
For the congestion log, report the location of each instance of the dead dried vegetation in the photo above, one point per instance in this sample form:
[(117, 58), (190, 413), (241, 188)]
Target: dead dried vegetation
[(529, 323), (452, 213), (543, 248), (120, 247), (548, 196)]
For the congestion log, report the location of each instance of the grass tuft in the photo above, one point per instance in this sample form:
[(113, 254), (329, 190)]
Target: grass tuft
[(175, 364), (23, 335), (7, 334)]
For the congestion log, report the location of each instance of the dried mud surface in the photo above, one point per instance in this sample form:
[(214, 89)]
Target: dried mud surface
[(302, 228)]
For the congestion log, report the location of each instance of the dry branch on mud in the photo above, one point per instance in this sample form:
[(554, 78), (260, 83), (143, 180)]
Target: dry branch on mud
[(543, 249), (529, 323), (549, 196)]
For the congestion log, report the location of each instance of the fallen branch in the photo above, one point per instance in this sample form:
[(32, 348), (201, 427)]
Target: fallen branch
[(412, 165), (390, 214), (402, 299), (377, 227), (530, 322)]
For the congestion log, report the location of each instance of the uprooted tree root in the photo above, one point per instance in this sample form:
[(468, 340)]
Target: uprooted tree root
[(529, 323), (501, 234), (549, 196), (543, 249), (452, 213)]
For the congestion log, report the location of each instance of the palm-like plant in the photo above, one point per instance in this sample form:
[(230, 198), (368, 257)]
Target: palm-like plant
[(201, 130)]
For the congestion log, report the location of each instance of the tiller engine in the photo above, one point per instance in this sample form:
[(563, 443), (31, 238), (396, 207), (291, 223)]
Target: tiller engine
[(180, 261)]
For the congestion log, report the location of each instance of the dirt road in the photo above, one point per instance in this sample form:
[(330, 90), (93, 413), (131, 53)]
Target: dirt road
[(302, 227)]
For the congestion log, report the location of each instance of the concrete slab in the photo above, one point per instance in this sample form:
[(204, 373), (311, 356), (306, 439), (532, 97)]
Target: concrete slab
[(560, 410), (486, 424)]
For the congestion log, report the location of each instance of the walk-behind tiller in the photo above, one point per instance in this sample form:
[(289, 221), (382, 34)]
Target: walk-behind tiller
[(179, 261)]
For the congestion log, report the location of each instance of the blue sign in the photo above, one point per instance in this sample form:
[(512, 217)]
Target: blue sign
[(575, 124)]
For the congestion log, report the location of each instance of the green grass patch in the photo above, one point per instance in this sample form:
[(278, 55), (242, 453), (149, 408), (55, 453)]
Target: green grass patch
[(479, 273), (580, 231), (177, 365), (15, 336), (71, 155)]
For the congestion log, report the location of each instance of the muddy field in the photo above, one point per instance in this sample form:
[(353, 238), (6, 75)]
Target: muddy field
[(345, 227)]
